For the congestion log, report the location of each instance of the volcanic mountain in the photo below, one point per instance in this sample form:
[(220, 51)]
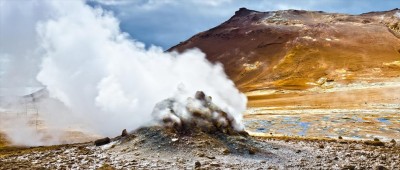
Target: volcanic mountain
[(297, 49)]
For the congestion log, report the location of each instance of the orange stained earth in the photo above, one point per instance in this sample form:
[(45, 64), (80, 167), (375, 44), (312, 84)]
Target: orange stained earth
[(311, 73)]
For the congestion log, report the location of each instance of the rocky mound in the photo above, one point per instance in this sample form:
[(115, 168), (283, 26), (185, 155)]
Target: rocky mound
[(200, 123), (196, 114), (196, 122), (197, 142)]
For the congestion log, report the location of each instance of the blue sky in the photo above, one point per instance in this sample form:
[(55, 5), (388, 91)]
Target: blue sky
[(167, 22)]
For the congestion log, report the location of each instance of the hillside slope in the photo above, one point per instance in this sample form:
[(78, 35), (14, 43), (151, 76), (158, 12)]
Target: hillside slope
[(295, 49)]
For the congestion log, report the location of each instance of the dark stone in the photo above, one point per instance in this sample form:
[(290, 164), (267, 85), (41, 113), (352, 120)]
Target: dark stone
[(349, 167), (200, 96), (244, 133), (197, 164), (124, 133), (252, 151), (103, 141), (380, 167), (374, 143)]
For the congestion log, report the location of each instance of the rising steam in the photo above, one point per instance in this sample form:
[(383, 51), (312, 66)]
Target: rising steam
[(109, 82)]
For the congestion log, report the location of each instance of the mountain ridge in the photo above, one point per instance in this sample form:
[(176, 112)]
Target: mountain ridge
[(297, 49)]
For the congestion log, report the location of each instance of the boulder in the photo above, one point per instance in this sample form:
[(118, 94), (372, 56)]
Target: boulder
[(200, 96), (103, 141), (124, 133), (197, 165)]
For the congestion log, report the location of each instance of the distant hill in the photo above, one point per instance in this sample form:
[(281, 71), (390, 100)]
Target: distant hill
[(297, 49)]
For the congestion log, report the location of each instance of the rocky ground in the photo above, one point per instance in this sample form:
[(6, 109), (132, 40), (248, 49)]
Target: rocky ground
[(158, 148), (169, 148)]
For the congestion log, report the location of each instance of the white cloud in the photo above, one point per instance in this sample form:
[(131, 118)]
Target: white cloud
[(143, 4), (113, 2), (212, 3), (153, 4), (110, 82), (18, 42)]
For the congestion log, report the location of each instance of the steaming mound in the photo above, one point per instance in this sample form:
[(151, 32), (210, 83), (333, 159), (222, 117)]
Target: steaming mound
[(196, 142), (199, 124), (196, 114)]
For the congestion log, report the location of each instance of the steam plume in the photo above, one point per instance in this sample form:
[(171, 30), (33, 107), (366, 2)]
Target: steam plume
[(110, 82)]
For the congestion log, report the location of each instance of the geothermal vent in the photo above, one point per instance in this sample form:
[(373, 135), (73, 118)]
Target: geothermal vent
[(196, 114)]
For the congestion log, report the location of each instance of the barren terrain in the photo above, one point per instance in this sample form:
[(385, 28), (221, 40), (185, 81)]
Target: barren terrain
[(356, 111), (311, 73), (323, 93), (296, 49), (157, 148)]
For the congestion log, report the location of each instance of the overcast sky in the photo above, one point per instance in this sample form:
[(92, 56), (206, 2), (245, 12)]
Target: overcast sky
[(167, 22)]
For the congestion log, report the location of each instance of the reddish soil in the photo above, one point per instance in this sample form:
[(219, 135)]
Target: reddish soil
[(293, 49)]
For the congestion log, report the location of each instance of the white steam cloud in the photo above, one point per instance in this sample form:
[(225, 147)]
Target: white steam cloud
[(110, 82), (397, 14)]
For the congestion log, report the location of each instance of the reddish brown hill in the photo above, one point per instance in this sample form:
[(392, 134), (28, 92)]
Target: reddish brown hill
[(298, 49)]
